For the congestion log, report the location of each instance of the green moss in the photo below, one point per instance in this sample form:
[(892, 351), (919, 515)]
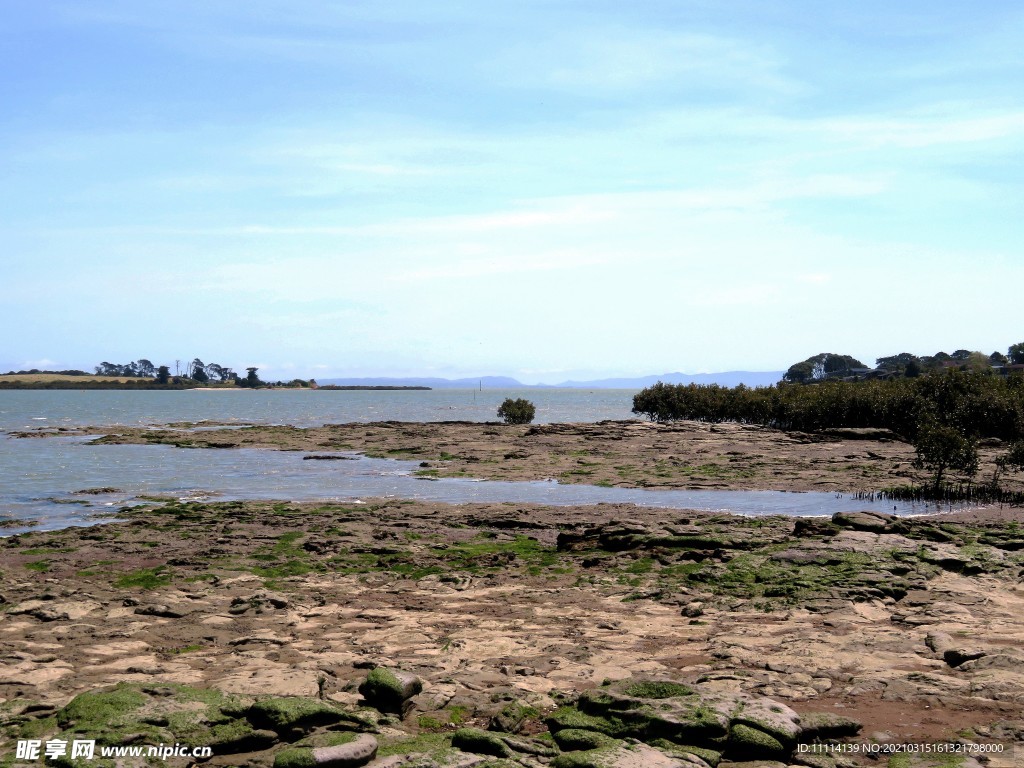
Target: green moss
[(480, 743), (437, 745), (39, 727), (574, 739), (144, 578), (284, 713), (591, 758), (570, 717), (39, 566), (710, 756), (649, 689), (294, 758), (745, 741), (105, 715), (427, 723)]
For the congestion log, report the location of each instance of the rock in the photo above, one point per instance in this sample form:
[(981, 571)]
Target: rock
[(49, 614), (356, 753), (824, 726), (480, 742), (282, 715), (575, 739), (510, 718), (995, 661), (163, 611), (811, 526), (390, 690), (248, 741), (863, 521), (693, 610), (626, 756), (770, 717), (752, 743)]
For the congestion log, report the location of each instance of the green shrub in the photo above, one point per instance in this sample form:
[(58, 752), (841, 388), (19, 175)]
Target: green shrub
[(517, 411)]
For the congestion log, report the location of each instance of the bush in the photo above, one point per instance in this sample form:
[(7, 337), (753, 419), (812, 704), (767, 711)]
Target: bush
[(517, 411)]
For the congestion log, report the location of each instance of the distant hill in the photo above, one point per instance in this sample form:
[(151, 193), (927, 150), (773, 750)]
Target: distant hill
[(489, 382), (725, 379)]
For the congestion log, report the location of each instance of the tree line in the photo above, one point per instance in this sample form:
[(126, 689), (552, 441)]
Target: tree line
[(143, 374), (943, 414), (197, 370), (830, 365)]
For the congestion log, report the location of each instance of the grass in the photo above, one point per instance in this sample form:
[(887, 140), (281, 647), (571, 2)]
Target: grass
[(39, 566), (42, 378)]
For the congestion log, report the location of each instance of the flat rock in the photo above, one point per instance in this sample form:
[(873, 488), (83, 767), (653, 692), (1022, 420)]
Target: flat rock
[(351, 755)]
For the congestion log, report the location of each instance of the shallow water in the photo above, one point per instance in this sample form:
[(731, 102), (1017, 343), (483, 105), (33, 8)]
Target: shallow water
[(21, 409), (41, 477), (56, 470)]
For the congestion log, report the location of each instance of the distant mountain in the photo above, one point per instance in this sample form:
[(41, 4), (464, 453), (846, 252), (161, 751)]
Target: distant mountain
[(489, 382), (726, 379)]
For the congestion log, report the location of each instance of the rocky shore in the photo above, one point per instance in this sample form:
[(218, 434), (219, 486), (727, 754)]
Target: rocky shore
[(533, 632), (398, 633)]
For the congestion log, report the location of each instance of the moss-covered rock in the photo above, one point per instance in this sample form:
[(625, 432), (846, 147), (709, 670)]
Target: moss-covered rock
[(480, 742), (748, 743), (284, 714), (771, 717), (823, 726), (710, 756), (390, 690), (686, 718), (575, 739), (294, 758), (511, 717)]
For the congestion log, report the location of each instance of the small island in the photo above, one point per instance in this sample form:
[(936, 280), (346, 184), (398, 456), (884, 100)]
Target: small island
[(142, 374)]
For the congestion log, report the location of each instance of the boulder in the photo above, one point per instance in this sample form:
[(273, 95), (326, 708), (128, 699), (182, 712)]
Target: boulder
[(390, 690), (863, 521)]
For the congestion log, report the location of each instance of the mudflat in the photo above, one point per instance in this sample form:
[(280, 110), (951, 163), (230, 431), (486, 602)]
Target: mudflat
[(569, 636)]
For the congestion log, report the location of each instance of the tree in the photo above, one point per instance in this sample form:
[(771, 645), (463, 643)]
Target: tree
[(800, 373), (1016, 353), (824, 365), (1012, 461), (940, 448), (146, 368), (198, 371), (251, 379), (163, 374), (998, 358), (899, 363), (517, 411)]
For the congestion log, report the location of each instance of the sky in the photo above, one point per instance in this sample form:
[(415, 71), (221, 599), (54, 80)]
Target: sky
[(542, 189)]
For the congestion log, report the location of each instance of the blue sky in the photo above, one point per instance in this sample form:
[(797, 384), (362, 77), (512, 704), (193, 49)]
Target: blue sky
[(547, 190)]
